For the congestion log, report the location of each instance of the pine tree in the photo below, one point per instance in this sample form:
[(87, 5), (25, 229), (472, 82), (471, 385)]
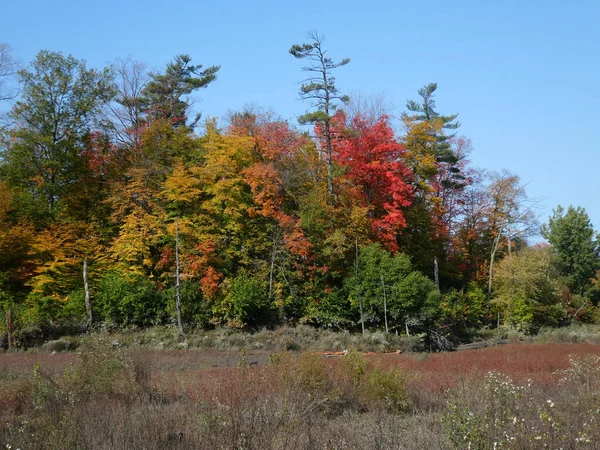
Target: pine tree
[(425, 112), (165, 93), (320, 88)]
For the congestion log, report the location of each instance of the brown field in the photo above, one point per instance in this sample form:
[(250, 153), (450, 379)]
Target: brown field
[(139, 398)]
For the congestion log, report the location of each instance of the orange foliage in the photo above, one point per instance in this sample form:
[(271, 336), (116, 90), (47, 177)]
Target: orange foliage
[(210, 283)]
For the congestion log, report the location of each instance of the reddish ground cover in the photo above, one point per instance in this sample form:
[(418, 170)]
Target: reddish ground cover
[(433, 372), (440, 371)]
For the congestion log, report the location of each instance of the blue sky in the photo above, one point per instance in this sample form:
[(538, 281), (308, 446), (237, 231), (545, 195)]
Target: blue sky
[(523, 75)]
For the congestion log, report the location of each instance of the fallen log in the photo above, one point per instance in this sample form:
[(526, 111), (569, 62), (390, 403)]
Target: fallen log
[(482, 344)]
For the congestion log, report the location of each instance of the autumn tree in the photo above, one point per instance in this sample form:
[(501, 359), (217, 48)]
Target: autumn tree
[(227, 197), (138, 210), (320, 88), (16, 241), (211, 200), (512, 216), (449, 183), (436, 160), (372, 193), (577, 246), (193, 252), (139, 217), (60, 252), (429, 126), (377, 176), (471, 246), (99, 165), (274, 185)]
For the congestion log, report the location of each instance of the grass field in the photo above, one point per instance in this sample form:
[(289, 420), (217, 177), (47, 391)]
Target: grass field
[(522, 395)]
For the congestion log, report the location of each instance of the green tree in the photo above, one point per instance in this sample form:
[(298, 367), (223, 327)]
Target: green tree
[(57, 110), (461, 310), (572, 236), (246, 303), (320, 88), (383, 277), (126, 300)]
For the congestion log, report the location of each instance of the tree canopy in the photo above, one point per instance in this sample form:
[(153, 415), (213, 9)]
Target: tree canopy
[(356, 223)]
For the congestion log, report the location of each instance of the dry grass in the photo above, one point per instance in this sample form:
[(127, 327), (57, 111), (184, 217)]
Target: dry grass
[(284, 338), (107, 397)]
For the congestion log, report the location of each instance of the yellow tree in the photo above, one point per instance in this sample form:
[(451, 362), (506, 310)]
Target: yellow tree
[(16, 239), (138, 210), (512, 216), (213, 203), (60, 254), (139, 217), (183, 193), (527, 288)]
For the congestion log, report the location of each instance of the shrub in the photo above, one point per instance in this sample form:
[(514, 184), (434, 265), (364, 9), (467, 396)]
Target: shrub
[(195, 310), (64, 344), (385, 387), (123, 301), (246, 302), (95, 372)]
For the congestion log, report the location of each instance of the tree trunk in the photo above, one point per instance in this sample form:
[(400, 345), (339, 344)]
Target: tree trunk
[(177, 279), (10, 332), (491, 274), (329, 160), (88, 305), (579, 310), (384, 304), (436, 273), (360, 305), (272, 269), (327, 132)]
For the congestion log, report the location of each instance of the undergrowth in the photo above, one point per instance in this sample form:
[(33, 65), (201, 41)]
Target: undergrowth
[(112, 396)]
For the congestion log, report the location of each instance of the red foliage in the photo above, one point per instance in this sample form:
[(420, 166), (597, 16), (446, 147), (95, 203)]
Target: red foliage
[(275, 144), (100, 158), (377, 176), (167, 257)]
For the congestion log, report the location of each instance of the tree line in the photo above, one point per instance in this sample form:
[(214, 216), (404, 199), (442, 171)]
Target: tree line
[(119, 206)]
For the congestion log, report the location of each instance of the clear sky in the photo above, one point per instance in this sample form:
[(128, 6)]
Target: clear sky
[(523, 75)]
